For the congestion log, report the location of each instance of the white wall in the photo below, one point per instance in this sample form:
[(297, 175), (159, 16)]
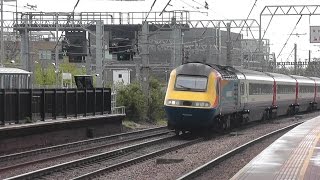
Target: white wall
[(122, 76)]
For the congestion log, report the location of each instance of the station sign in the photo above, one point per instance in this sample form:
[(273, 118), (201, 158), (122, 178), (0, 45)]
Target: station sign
[(314, 34)]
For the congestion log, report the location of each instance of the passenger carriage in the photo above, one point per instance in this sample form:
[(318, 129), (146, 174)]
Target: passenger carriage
[(258, 93), (306, 92), (317, 92), (285, 97)]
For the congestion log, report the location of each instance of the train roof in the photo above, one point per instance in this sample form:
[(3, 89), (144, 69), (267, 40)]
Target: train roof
[(302, 79), (282, 77), (255, 75), (317, 79), (194, 67), (228, 72), (4, 70)]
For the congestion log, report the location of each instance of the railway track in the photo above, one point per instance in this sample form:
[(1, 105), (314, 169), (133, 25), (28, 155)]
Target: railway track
[(156, 132), (211, 164), (96, 165), (18, 160)]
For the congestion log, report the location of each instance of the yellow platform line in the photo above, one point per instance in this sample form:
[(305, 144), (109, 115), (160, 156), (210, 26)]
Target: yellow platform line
[(307, 159)]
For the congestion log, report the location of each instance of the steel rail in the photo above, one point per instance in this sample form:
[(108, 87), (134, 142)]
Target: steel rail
[(136, 160), (198, 171), (74, 144), (37, 161), (88, 160)]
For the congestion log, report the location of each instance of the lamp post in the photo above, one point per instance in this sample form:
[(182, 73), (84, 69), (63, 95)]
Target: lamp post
[(2, 43), (1, 37)]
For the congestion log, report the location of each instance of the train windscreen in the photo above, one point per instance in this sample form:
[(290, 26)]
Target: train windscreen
[(191, 83)]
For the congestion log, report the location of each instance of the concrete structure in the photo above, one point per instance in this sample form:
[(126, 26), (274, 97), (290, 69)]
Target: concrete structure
[(169, 39), (295, 155), (40, 134)]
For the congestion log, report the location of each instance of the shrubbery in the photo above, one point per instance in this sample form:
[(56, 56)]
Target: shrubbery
[(133, 99), (47, 75), (139, 107), (155, 110)]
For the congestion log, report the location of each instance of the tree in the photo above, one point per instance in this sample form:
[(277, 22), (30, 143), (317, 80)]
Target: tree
[(313, 69), (12, 51), (137, 108), (156, 99), (132, 97), (71, 68), (45, 76)]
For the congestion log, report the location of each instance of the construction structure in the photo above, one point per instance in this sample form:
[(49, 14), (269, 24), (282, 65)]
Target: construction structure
[(105, 42)]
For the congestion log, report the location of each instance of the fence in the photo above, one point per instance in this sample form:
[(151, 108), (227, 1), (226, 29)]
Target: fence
[(41, 104)]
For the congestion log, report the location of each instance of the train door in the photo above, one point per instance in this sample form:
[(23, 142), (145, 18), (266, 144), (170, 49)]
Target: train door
[(244, 89), (218, 92), (236, 95)]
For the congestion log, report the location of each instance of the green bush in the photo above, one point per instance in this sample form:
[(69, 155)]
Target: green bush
[(131, 96), (155, 110), (139, 107), (45, 76)]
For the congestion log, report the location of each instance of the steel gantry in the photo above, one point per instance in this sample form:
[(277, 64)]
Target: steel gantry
[(46, 21), (203, 42), (285, 10)]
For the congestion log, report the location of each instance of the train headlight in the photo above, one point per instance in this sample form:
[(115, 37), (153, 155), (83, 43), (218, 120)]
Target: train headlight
[(173, 102), (201, 104)]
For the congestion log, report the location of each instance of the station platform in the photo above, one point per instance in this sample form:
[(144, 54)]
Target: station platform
[(295, 155), (51, 132)]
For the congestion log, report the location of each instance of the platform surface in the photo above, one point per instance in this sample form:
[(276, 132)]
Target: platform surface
[(295, 155), (56, 121)]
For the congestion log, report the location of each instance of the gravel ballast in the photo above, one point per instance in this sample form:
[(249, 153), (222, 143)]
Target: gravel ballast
[(198, 154), (61, 160), (227, 169)]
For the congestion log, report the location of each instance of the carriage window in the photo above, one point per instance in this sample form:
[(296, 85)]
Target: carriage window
[(306, 89), (258, 89), (286, 89), (191, 83)]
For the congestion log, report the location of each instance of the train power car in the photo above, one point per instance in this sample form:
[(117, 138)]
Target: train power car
[(204, 97)]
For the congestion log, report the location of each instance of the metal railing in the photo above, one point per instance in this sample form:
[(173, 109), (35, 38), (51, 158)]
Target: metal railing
[(27, 105), (114, 109), (119, 110)]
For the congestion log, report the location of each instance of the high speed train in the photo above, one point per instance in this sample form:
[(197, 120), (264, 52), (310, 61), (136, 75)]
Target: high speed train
[(205, 96)]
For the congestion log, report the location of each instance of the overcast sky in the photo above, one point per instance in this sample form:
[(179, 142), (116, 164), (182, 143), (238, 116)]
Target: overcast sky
[(278, 31)]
